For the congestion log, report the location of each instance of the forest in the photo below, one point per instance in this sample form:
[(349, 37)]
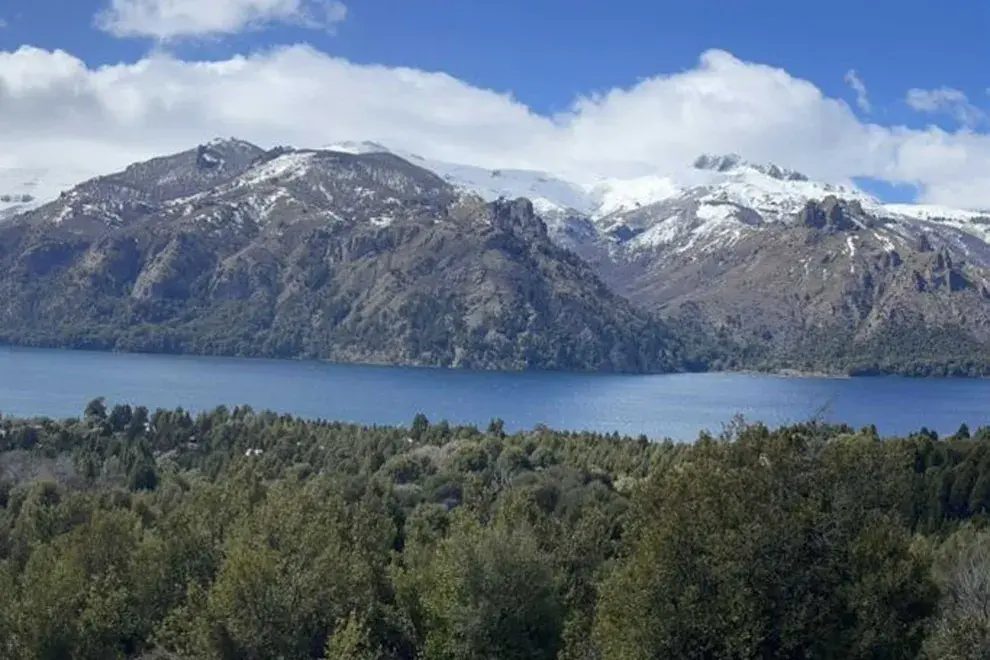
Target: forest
[(235, 533)]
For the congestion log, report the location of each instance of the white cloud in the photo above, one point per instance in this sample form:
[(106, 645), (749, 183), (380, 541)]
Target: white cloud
[(171, 19), (947, 101), (856, 83), (54, 109)]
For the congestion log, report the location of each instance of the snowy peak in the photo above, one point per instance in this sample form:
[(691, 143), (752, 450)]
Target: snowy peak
[(230, 143), (725, 193), (551, 195), (732, 162), (358, 148), (305, 188), (770, 189), (619, 195)]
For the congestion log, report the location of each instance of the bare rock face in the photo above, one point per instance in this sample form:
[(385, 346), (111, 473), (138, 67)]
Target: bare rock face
[(789, 272), (833, 215), (793, 274), (228, 249), (517, 216), (358, 254)]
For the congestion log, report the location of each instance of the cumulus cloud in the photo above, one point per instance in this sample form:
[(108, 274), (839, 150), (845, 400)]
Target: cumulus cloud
[(856, 84), (54, 109), (945, 100), (166, 20)]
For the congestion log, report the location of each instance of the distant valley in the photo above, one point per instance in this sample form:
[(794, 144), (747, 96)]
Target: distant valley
[(353, 253)]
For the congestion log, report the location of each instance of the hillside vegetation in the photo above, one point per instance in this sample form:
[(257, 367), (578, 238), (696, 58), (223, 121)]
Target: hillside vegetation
[(243, 534)]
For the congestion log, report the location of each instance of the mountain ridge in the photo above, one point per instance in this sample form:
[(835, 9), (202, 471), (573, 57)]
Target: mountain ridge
[(729, 248), (786, 273), (229, 249)]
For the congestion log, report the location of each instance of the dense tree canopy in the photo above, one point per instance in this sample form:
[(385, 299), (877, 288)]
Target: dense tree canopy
[(128, 533)]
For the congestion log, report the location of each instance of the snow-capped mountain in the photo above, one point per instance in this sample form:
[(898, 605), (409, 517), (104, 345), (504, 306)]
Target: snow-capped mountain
[(724, 191), (228, 248), (550, 195), (25, 188), (802, 273), (806, 273), (722, 199), (555, 197)]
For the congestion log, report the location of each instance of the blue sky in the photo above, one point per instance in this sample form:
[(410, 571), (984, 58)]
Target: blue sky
[(778, 87)]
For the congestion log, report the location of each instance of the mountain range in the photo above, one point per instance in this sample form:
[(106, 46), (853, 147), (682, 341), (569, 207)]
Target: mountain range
[(229, 249), (356, 252)]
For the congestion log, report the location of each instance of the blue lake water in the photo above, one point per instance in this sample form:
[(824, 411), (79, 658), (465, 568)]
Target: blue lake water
[(59, 383)]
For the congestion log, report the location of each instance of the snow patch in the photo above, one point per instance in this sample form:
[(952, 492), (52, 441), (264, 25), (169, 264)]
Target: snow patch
[(663, 232), (64, 214), (616, 195), (545, 207), (286, 167), (357, 147), (888, 245), (210, 159), (716, 212), (267, 205)]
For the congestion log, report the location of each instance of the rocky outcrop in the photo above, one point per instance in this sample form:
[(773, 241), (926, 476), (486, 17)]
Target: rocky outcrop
[(225, 249), (833, 215)]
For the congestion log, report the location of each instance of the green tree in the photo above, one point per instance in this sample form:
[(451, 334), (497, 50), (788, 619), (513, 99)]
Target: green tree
[(420, 426), (762, 549), (962, 572), (496, 427), (96, 410), (143, 476), (490, 593), (351, 640)]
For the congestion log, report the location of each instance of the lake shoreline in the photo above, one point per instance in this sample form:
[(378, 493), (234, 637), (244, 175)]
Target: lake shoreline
[(59, 383), (780, 372)]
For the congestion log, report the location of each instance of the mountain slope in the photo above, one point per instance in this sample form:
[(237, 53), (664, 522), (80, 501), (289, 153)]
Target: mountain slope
[(226, 249), (810, 281), (801, 274), (359, 253)]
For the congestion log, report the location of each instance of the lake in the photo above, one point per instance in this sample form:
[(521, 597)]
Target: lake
[(57, 383)]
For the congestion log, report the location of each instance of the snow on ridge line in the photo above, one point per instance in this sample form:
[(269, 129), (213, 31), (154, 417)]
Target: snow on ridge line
[(744, 184), (292, 165), (716, 212), (615, 195), (551, 193), (357, 147)]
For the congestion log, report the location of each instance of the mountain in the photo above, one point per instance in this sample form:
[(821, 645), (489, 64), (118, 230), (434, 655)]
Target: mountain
[(361, 257), (357, 252), (553, 197), (810, 276), (789, 272)]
